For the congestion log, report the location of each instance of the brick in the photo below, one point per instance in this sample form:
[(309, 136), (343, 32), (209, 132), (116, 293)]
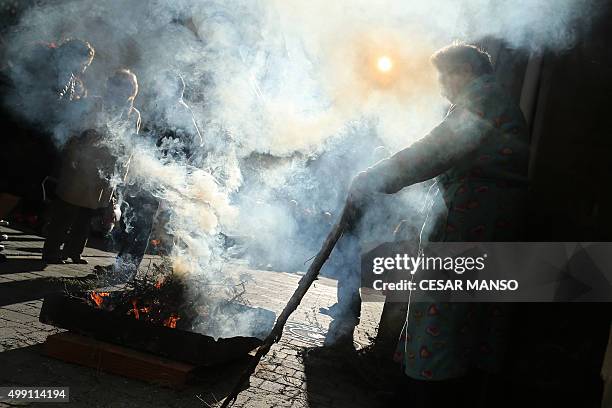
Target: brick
[(271, 386), (17, 317), (285, 371)]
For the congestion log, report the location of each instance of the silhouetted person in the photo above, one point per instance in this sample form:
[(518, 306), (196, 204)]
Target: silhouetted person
[(172, 124), (88, 165), (479, 154), (41, 87), (171, 120)]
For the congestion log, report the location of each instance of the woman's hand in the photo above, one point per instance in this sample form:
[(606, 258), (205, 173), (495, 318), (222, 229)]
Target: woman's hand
[(361, 186)]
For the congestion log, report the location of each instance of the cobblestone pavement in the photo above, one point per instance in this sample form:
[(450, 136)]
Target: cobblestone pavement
[(285, 378)]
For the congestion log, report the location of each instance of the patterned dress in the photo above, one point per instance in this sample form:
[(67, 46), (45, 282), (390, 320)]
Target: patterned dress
[(479, 154)]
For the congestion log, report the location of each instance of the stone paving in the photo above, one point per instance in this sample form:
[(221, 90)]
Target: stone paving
[(285, 378)]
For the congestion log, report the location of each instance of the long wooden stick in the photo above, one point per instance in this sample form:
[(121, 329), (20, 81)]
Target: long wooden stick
[(296, 298)]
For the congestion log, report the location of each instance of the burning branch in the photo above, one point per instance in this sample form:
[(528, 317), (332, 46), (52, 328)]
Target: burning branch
[(98, 298), (303, 286)]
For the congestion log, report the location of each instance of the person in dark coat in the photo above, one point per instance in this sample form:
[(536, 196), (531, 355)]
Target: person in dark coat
[(47, 80), (88, 165), (172, 124), (172, 121), (41, 87)]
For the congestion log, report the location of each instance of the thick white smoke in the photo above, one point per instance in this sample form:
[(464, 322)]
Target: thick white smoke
[(288, 95), (284, 76)]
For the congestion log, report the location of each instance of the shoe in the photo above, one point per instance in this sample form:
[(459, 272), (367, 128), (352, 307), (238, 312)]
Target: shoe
[(79, 260), (4, 223), (340, 334), (104, 270), (1, 248), (53, 260), (4, 237), (331, 311), (332, 353)]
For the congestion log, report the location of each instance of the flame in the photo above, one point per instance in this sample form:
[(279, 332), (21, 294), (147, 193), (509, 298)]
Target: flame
[(135, 309), (140, 309), (98, 298), (159, 282), (171, 321)]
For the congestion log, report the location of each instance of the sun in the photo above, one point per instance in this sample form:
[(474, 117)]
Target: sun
[(384, 64)]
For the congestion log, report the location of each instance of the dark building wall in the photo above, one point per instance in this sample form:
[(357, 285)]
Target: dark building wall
[(571, 169)]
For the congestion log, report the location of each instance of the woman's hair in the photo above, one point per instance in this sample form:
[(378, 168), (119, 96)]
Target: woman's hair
[(75, 48), (124, 78), (449, 58)]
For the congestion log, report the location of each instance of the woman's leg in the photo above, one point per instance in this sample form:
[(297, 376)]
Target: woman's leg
[(138, 223), (79, 232), (62, 216)]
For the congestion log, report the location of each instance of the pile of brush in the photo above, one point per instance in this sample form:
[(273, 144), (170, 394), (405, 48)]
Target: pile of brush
[(163, 297)]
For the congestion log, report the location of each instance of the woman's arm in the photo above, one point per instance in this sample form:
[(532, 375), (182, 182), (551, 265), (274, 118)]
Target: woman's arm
[(459, 134)]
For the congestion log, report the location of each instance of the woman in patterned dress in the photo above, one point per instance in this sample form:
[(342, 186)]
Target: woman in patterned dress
[(479, 154)]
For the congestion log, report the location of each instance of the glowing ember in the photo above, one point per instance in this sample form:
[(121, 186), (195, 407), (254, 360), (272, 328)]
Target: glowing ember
[(158, 301), (171, 321), (159, 283), (135, 309), (98, 298), (384, 64)]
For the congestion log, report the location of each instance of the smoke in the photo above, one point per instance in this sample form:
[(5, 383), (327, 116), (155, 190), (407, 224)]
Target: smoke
[(289, 99)]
